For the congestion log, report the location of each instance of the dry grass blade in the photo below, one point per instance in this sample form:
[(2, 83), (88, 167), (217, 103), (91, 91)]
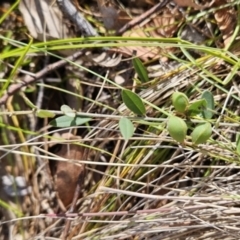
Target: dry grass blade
[(44, 20)]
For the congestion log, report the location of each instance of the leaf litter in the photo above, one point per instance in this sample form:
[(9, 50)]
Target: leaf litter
[(151, 187)]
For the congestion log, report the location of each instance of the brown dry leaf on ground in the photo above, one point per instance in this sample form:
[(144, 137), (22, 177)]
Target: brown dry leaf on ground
[(188, 3), (66, 173), (112, 18), (164, 24), (167, 24), (226, 19)]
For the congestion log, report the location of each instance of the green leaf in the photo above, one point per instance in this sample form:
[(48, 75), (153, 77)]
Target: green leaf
[(197, 107), (177, 128), (201, 133), (133, 102), (44, 114), (66, 121), (126, 128), (238, 143), (140, 69), (68, 111), (180, 101), (208, 112)]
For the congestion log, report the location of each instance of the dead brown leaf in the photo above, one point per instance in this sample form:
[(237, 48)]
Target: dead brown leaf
[(113, 19), (66, 173), (188, 3), (226, 19), (165, 24)]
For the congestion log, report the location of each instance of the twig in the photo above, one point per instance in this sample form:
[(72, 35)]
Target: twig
[(105, 214), (30, 79), (77, 18), (138, 20)]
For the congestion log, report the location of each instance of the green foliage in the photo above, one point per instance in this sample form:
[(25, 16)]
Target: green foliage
[(177, 128), (44, 114), (140, 69), (204, 106), (201, 133), (68, 111), (66, 121), (196, 107), (180, 101), (133, 102), (126, 128), (208, 112)]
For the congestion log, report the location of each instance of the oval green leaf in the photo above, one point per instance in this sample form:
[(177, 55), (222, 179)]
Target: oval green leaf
[(197, 107), (208, 111), (66, 121), (140, 69), (133, 102), (68, 111), (177, 128), (201, 133), (44, 114), (126, 128), (180, 101)]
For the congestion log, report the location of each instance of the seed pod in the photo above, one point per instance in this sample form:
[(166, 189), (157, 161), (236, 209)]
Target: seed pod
[(201, 133), (177, 128), (180, 101)]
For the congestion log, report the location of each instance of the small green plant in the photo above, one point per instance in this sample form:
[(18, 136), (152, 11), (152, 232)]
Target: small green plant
[(70, 118), (177, 126), (203, 107)]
